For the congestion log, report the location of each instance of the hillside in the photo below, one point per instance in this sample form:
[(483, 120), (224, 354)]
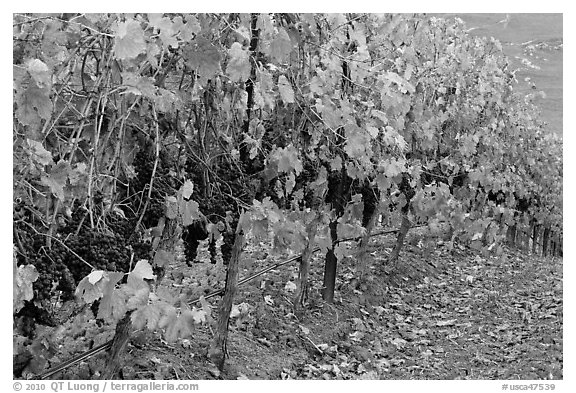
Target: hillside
[(287, 196), (534, 44), (439, 314)]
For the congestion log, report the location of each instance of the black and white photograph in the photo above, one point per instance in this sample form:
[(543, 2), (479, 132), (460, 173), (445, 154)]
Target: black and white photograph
[(286, 196)]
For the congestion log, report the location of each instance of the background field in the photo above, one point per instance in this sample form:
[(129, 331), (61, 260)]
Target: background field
[(534, 44)]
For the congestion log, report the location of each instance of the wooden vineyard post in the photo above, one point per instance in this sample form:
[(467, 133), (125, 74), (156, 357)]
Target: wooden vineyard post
[(338, 200), (369, 227), (408, 193), (528, 236), (363, 246), (217, 352), (302, 293), (524, 239), (545, 240), (535, 234), (113, 365), (404, 228), (330, 267), (511, 235)]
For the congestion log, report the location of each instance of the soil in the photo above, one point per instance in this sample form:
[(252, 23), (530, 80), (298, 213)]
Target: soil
[(437, 314)]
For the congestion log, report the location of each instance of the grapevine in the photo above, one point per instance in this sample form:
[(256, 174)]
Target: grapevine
[(134, 134)]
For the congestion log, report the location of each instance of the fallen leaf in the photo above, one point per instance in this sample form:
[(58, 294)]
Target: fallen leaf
[(304, 329), (449, 322), (268, 300)]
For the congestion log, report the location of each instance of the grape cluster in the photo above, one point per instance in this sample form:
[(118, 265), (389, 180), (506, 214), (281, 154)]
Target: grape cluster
[(370, 196), (141, 250), (164, 183), (217, 206), (155, 210), (103, 251), (53, 274), (59, 267), (192, 236)]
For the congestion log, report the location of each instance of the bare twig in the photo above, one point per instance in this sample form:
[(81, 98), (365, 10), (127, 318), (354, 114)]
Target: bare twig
[(321, 352), (153, 170)]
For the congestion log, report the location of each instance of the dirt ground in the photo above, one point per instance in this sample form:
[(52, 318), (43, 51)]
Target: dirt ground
[(437, 314)]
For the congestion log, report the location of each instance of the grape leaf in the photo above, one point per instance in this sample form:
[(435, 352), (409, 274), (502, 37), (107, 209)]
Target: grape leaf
[(188, 29), (265, 24), (403, 85), (129, 40), (331, 115), (88, 291), (137, 297), (357, 142), (468, 144), (289, 234), (337, 20), (40, 73), (163, 258), (336, 163), (182, 327), (290, 183), (320, 184), (171, 209), (113, 302), (281, 46), (323, 239), (202, 57), (168, 318), (198, 315), (373, 131), (290, 287), (148, 316), (56, 179), (287, 159), (265, 88), (285, 90), (235, 311), (139, 85), (75, 175), (167, 29), (155, 19), (156, 232), (238, 68), (39, 154), (24, 276), (33, 105), (260, 229), (341, 250), (165, 100), (187, 189), (191, 213), (113, 306), (380, 116), (152, 52), (409, 71), (317, 85), (141, 271), (207, 310), (95, 276), (392, 167)]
